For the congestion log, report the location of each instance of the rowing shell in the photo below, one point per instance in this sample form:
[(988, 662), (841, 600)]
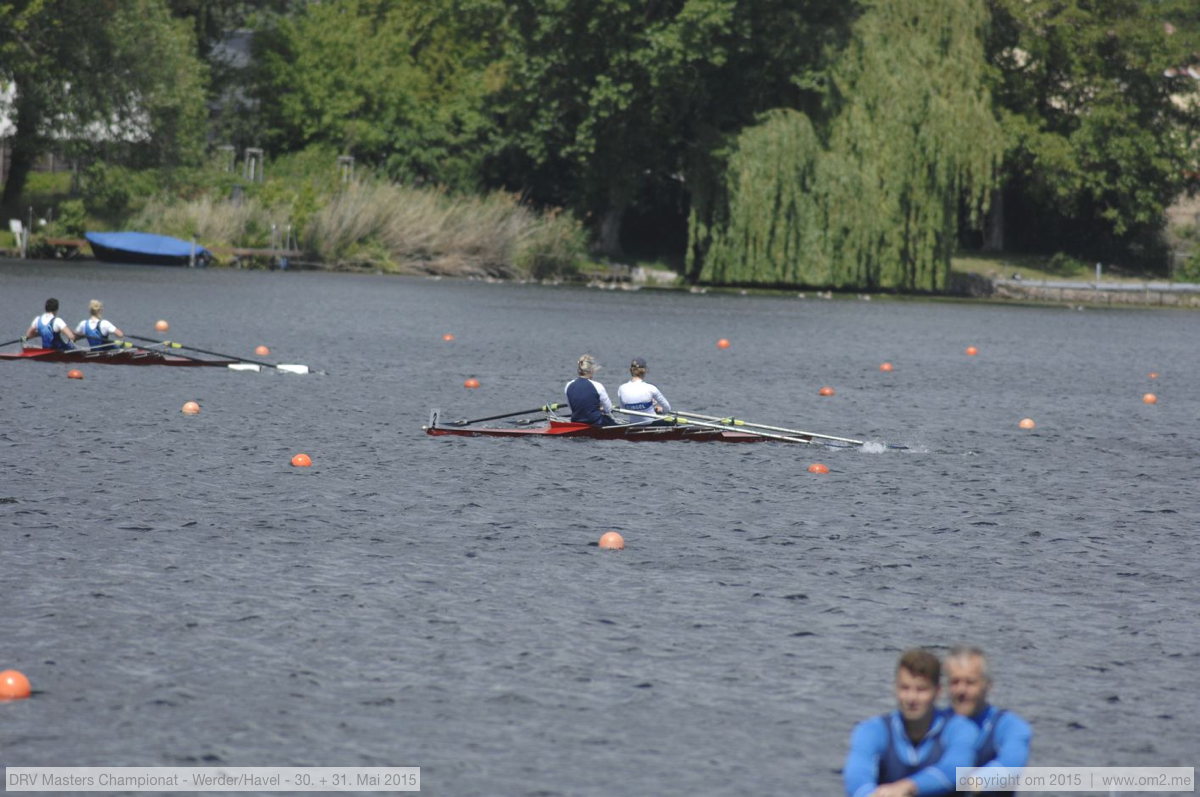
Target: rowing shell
[(637, 432), (111, 357)]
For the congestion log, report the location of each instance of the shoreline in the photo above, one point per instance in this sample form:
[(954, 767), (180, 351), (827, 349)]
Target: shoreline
[(967, 287)]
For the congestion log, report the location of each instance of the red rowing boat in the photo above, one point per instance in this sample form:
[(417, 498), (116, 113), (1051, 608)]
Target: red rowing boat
[(638, 432), (109, 357)]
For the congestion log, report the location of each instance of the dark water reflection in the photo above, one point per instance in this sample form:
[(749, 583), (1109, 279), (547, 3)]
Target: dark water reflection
[(178, 594)]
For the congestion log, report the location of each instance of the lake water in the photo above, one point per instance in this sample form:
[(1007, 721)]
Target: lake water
[(179, 594)]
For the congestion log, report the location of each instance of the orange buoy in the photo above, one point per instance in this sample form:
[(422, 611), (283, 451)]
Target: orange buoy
[(471, 383), (825, 391), (722, 344), (261, 351), (13, 685), (817, 467), (1150, 398), (301, 461), (190, 408), (612, 541), (885, 366), (161, 325), (1153, 375), (447, 337), (972, 351), (1026, 423), (74, 373)]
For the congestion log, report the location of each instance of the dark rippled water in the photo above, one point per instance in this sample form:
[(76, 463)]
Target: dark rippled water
[(178, 594)]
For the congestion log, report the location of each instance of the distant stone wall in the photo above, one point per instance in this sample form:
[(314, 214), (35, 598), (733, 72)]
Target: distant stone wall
[(1165, 294)]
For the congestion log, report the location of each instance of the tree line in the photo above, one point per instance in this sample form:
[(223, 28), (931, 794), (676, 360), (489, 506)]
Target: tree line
[(777, 142)]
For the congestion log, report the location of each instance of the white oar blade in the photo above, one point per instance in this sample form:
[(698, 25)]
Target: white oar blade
[(293, 369), (243, 367)]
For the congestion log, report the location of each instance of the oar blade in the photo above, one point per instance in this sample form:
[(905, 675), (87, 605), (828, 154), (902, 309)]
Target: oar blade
[(244, 367), (293, 368)]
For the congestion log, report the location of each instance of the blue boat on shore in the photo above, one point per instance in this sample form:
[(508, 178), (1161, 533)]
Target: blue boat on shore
[(146, 248)]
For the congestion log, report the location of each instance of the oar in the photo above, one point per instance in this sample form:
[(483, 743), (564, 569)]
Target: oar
[(11, 342), (679, 419), (124, 344), (738, 422), (543, 408), (291, 369)]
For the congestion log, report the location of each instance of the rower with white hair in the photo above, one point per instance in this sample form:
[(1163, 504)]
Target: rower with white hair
[(587, 398), (96, 328), (1003, 736)]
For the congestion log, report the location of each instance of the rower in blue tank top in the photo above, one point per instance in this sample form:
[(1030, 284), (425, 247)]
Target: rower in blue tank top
[(587, 398), (52, 330), (915, 749), (1003, 736), (97, 330)]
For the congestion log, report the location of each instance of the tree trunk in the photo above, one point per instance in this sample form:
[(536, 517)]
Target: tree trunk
[(26, 145), (609, 239), (993, 223)]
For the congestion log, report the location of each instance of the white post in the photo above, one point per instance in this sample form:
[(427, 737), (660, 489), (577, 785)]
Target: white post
[(1097, 272), (192, 254)]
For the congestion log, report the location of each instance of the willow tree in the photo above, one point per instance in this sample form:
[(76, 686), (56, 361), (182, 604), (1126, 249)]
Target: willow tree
[(870, 197)]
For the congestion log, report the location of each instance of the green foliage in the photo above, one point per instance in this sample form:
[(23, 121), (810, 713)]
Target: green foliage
[(604, 97), (46, 189), (70, 220), (552, 246), (112, 192), (775, 218), (872, 200), (1063, 265), (1189, 270), (1099, 121), (399, 85), (129, 72)]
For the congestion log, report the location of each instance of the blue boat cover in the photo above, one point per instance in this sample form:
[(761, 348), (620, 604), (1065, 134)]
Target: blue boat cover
[(146, 243)]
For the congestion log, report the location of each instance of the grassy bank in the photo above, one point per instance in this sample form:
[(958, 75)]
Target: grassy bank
[(366, 223), (1038, 267)]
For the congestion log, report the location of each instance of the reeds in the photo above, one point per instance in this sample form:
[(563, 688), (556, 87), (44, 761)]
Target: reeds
[(430, 231), (387, 227), (212, 222)]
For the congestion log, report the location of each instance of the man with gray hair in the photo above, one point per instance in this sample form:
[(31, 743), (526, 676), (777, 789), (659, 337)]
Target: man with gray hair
[(587, 398), (1003, 736)]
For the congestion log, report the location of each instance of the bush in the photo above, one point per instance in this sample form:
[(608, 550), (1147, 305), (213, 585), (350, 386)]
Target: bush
[(1064, 265), (113, 192), (1189, 271), (552, 247), (70, 220)]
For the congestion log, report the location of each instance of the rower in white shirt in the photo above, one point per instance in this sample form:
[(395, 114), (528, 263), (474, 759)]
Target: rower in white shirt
[(50, 330), (638, 394)]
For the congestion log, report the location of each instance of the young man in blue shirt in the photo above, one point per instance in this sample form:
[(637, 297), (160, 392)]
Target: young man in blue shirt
[(915, 749)]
